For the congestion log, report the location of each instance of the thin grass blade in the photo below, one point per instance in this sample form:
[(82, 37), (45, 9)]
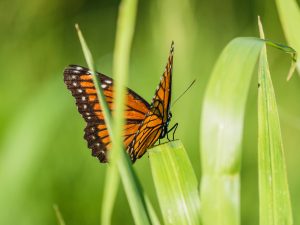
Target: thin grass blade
[(289, 14), (112, 176), (58, 214), (175, 183), (125, 29), (111, 186), (124, 36), (90, 62), (274, 197), (151, 211)]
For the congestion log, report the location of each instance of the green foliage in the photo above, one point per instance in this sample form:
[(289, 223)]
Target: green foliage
[(44, 159)]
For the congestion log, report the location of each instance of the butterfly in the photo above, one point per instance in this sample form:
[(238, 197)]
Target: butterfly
[(145, 123)]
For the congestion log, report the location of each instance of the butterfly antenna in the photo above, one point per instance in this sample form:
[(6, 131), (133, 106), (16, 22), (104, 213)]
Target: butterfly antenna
[(183, 92)]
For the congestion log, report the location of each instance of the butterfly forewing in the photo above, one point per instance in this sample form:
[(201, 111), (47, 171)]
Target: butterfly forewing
[(148, 133), (157, 118), (162, 98), (79, 81)]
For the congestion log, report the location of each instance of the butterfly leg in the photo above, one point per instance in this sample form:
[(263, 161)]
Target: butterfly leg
[(173, 128)]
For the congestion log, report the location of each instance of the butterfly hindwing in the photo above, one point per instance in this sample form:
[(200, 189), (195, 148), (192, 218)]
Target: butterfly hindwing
[(148, 133), (79, 81)]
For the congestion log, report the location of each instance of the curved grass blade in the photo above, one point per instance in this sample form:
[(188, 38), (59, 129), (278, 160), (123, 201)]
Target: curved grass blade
[(222, 129), (175, 183), (274, 197), (289, 14), (287, 50)]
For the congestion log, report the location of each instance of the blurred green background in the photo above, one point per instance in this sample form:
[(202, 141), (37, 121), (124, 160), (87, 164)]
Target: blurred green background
[(44, 159)]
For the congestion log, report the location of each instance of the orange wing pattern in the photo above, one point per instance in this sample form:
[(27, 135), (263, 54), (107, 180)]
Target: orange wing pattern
[(79, 81), (155, 124)]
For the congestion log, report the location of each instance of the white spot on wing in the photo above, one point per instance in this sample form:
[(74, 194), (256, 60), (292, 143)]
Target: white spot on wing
[(103, 85), (108, 81), (79, 91)]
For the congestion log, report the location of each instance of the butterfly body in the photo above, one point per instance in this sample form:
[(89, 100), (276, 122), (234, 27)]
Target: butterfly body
[(145, 123)]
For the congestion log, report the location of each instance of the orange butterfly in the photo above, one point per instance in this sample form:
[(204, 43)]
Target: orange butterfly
[(145, 123)]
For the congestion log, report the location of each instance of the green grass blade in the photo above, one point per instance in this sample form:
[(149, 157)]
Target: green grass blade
[(288, 50), (274, 197), (222, 129), (175, 183), (58, 214), (152, 213), (125, 29), (289, 14), (124, 36), (112, 177), (90, 62), (111, 185)]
